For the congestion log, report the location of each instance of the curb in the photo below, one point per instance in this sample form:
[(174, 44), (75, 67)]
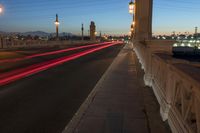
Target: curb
[(73, 124)]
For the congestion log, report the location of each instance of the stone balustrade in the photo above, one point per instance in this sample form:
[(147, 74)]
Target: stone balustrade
[(176, 84), (37, 43)]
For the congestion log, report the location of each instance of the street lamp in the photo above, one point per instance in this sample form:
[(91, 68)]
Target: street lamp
[(1, 10), (132, 12), (57, 24), (1, 38), (82, 30), (95, 33), (131, 7), (133, 23)]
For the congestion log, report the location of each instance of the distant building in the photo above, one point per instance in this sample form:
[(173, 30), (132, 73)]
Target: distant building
[(92, 31)]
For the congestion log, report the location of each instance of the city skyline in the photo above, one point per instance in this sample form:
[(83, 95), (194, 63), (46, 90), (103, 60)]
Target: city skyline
[(24, 16)]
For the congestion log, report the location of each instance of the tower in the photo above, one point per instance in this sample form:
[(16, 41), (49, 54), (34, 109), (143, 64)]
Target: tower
[(143, 19), (92, 31)]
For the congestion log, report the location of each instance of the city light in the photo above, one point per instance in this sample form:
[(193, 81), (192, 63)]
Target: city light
[(175, 45), (189, 45), (183, 45)]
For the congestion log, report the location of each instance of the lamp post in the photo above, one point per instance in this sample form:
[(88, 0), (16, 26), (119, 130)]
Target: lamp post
[(1, 38), (57, 25), (132, 12), (82, 29)]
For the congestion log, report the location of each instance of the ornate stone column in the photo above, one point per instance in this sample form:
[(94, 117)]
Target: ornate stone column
[(143, 19), (92, 31)]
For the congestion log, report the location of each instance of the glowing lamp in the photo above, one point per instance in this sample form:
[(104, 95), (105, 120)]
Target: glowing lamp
[(57, 23), (131, 7), (132, 29), (1, 9)]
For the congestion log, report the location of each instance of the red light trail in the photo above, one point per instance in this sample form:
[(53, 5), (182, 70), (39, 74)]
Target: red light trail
[(51, 53), (24, 72)]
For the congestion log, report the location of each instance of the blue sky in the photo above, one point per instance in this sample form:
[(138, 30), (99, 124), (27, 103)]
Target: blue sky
[(111, 16), (176, 15)]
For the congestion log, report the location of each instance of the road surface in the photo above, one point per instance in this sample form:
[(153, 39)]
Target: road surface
[(45, 102)]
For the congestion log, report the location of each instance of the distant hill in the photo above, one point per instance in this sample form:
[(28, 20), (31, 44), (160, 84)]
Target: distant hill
[(35, 33), (2, 32)]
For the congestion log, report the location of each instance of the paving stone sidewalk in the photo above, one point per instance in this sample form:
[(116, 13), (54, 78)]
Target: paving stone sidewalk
[(120, 103)]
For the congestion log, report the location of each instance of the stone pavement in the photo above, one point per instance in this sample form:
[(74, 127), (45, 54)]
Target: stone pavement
[(120, 103)]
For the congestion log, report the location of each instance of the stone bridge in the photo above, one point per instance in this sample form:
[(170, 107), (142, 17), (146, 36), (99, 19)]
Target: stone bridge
[(176, 83)]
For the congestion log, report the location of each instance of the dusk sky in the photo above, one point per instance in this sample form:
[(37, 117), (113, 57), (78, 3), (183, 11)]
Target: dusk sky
[(110, 16)]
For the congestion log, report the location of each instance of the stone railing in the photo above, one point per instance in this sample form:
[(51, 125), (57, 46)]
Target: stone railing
[(176, 84), (34, 43)]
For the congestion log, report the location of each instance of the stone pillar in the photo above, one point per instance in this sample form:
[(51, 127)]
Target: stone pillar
[(143, 19), (92, 31)]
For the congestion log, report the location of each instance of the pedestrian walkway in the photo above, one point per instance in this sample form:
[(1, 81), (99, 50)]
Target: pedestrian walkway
[(120, 103)]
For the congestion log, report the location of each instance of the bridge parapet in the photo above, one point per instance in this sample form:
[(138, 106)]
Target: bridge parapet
[(9, 44), (175, 82)]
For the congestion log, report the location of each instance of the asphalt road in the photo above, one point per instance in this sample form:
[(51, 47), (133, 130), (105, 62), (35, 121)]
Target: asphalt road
[(46, 102)]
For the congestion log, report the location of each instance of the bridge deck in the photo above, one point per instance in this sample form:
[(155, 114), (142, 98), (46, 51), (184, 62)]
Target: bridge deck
[(120, 103)]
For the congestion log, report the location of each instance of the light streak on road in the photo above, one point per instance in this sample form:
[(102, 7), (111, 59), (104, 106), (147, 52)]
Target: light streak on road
[(51, 53), (24, 72)]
